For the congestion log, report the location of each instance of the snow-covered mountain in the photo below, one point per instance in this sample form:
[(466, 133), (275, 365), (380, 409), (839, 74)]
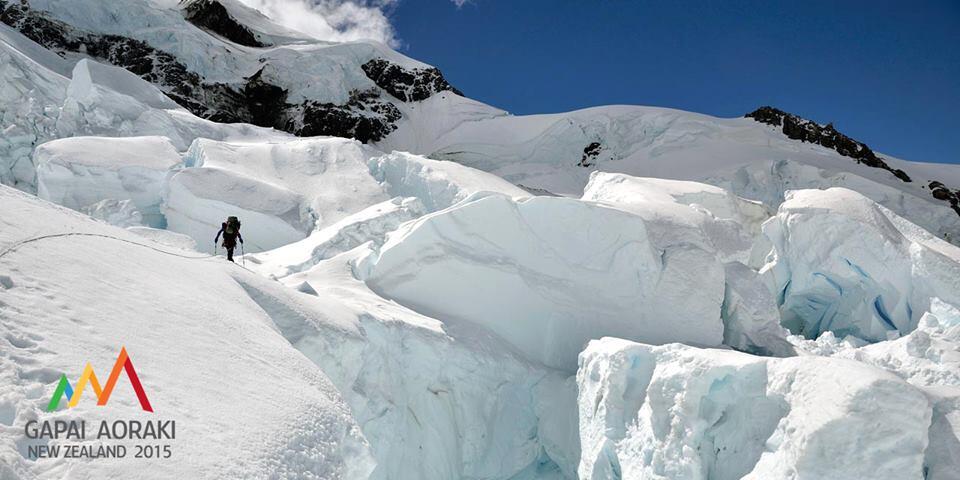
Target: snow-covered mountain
[(433, 288)]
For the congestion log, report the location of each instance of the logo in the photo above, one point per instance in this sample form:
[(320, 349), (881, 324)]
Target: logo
[(103, 394)]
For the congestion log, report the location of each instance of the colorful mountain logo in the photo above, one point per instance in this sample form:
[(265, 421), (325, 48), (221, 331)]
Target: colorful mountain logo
[(103, 394)]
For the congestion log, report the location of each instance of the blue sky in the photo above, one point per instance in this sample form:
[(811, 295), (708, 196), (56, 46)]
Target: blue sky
[(886, 73)]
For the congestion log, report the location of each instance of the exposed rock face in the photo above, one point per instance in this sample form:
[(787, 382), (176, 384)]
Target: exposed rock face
[(366, 116), (590, 154), (799, 128), (941, 192), (212, 16), (362, 117), (805, 130), (407, 85)]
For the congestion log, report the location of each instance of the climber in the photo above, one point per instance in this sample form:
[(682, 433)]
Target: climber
[(231, 233)]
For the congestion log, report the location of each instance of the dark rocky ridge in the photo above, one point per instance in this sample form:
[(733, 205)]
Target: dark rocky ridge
[(213, 16), (799, 128), (366, 116), (941, 192), (317, 118), (407, 85), (805, 130)]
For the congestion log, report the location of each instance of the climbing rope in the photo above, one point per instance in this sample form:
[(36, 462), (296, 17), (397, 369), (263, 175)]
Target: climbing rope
[(99, 235)]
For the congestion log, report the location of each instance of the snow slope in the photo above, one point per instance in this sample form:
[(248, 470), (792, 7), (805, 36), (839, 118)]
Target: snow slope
[(208, 356), (751, 159)]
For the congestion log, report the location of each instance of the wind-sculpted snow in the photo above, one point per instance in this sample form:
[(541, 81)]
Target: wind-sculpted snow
[(79, 172), (679, 412), (547, 286), (844, 264), (207, 355)]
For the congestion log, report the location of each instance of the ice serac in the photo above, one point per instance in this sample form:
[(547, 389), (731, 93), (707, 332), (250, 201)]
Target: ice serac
[(369, 225), (33, 83), (280, 190), (751, 319), (686, 211), (330, 174), (437, 184), (844, 264), (769, 180), (548, 286), (943, 453), (678, 412), (197, 200), (45, 97), (80, 172), (215, 363), (436, 400), (929, 358), (329, 179), (681, 213)]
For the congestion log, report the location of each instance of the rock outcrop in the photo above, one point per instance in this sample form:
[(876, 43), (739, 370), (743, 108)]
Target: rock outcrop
[(805, 130), (212, 16), (408, 85)]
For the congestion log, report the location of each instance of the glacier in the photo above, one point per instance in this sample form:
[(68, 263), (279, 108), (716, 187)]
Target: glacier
[(455, 291)]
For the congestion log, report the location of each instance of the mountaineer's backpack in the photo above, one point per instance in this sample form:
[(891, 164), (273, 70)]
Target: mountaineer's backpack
[(232, 226)]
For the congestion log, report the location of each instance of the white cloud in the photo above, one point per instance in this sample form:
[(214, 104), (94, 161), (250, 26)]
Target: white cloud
[(336, 20), (333, 20)]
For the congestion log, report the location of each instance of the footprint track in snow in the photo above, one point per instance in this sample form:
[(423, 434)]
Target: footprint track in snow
[(20, 342)]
